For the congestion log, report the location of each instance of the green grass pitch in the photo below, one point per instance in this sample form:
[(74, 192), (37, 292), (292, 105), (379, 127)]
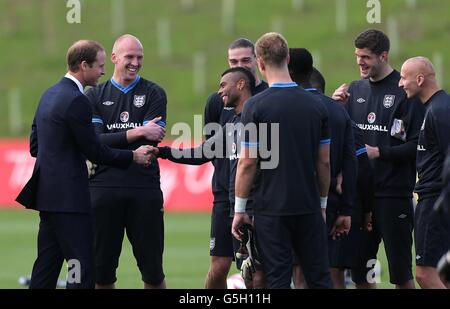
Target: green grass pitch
[(186, 255)]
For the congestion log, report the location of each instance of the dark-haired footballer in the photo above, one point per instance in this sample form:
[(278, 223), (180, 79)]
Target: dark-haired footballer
[(236, 86), (241, 53), (390, 123), (343, 165)]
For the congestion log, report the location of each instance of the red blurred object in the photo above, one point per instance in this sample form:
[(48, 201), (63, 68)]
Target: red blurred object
[(185, 187)]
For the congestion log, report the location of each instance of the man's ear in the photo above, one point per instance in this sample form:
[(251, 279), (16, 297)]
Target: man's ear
[(241, 84), (261, 65), (384, 56), (113, 58), (420, 79), (83, 65)]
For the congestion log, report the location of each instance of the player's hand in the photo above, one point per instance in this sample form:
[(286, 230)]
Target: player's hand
[(152, 131), (341, 227), (91, 167), (372, 152), (368, 223), (339, 183), (341, 94), (154, 152), (143, 155), (239, 219)]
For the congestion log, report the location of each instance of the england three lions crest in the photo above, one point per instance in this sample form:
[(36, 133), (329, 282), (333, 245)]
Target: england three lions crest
[(389, 100), (139, 100)]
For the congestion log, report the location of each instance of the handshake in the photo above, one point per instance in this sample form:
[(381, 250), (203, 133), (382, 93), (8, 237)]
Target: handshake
[(144, 155)]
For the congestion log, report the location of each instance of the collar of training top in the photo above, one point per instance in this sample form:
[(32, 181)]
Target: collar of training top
[(283, 85), (127, 88)]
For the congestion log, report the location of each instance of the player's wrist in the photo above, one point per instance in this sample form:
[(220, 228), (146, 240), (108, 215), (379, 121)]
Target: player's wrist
[(134, 134), (135, 156), (323, 202), (240, 204), (139, 131)]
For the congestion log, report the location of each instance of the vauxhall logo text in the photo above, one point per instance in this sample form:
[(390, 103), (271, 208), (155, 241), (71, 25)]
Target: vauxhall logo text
[(372, 127), (120, 126)]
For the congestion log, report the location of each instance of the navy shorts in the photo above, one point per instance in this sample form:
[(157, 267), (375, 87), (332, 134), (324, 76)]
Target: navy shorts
[(431, 233), (138, 212), (343, 252), (222, 242), (278, 236), (393, 220), (364, 247)]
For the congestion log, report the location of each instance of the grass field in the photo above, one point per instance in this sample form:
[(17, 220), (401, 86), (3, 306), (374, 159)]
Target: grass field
[(186, 250), (37, 36), (186, 257)]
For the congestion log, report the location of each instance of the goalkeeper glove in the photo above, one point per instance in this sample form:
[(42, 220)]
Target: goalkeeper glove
[(90, 168)]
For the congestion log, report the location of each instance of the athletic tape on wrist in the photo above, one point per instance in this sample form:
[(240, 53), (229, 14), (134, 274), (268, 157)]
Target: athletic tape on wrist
[(323, 202), (240, 204)]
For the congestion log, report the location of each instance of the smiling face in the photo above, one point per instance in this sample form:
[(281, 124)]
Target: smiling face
[(370, 64), (228, 89), (242, 57), (409, 80), (127, 56)]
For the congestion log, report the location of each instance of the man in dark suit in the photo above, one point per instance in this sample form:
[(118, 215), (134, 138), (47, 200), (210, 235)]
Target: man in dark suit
[(62, 138)]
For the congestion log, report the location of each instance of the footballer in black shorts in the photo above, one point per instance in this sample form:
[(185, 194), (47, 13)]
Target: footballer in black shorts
[(432, 234), (127, 200), (221, 240), (287, 209), (378, 108), (390, 123), (342, 160)]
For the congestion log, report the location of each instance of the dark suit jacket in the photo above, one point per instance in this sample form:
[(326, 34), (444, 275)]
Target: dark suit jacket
[(62, 138)]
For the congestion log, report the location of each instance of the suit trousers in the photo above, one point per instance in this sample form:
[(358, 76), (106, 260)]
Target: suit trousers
[(64, 236)]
